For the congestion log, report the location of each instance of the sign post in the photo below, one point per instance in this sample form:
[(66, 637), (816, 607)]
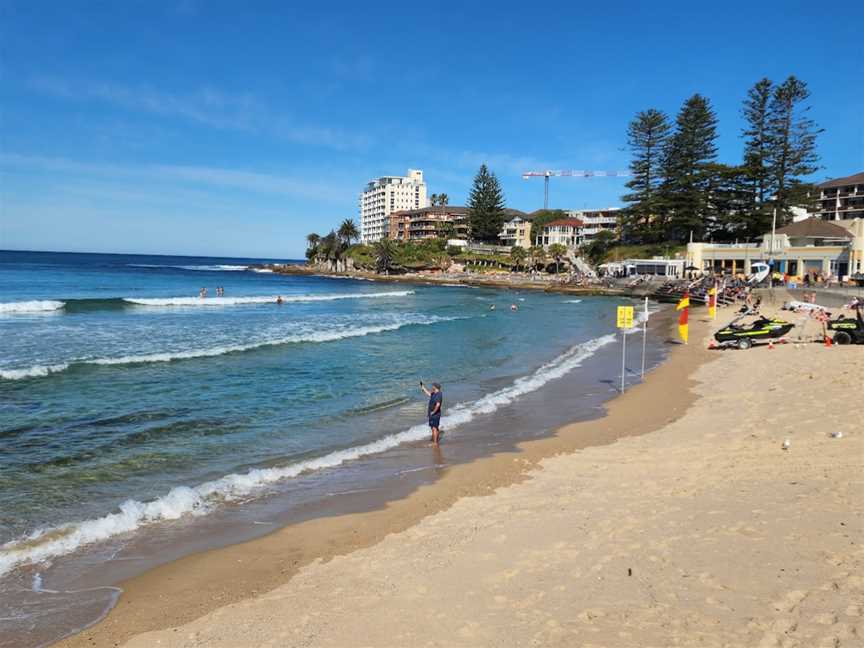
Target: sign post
[(624, 321), (644, 336)]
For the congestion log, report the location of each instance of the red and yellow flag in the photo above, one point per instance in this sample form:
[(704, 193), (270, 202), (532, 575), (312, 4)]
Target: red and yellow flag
[(712, 302), (684, 307)]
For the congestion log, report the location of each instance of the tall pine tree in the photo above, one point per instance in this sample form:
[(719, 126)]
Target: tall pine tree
[(791, 143), (688, 172), (646, 137), (486, 207), (757, 114)]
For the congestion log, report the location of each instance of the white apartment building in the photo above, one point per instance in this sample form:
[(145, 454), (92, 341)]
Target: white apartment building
[(596, 220), (386, 195)]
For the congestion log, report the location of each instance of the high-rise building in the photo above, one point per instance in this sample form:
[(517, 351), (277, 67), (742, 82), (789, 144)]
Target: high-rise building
[(386, 195)]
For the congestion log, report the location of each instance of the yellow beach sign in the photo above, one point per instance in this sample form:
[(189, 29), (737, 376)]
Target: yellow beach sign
[(625, 317)]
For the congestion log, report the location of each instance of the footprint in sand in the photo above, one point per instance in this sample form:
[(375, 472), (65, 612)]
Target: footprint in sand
[(790, 601)]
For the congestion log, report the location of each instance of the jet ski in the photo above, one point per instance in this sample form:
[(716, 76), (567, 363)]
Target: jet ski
[(848, 330), (744, 335)]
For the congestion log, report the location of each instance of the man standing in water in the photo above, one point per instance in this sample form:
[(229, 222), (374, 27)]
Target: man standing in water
[(436, 402)]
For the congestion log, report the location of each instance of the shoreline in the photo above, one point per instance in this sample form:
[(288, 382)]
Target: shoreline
[(211, 579), (476, 280)]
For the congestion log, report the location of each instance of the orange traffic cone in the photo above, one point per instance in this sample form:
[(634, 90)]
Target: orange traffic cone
[(828, 341), (770, 344)]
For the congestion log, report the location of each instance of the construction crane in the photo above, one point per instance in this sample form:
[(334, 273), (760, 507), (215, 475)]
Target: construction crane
[(571, 174)]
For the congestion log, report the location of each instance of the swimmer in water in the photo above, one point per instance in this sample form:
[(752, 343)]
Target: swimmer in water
[(279, 299), (514, 307)]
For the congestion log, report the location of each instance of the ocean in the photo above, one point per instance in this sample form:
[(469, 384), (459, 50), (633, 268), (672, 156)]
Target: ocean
[(140, 422)]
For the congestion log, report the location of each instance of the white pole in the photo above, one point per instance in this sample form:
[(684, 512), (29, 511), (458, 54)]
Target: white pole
[(623, 356), (771, 252), (644, 337)]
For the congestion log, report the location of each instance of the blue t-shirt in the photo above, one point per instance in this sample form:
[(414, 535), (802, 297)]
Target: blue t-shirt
[(437, 397)]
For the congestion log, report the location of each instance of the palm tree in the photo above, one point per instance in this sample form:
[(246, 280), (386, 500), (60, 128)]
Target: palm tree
[(557, 251), (536, 253), (348, 231), (518, 254), (312, 239), (433, 200), (443, 199), (385, 252)]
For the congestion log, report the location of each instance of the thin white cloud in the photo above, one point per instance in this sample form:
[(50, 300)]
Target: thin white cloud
[(206, 106), (249, 181)]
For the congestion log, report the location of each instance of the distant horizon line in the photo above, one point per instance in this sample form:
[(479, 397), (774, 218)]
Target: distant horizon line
[(153, 254)]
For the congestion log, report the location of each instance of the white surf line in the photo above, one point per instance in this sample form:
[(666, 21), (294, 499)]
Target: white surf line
[(258, 299), (40, 371), (33, 306)]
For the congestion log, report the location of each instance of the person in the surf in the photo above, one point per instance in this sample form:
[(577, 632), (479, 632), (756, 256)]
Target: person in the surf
[(436, 404)]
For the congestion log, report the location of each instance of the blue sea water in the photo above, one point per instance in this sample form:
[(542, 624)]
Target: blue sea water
[(128, 402)]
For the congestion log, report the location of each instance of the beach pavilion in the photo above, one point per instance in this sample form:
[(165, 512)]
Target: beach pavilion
[(810, 245)]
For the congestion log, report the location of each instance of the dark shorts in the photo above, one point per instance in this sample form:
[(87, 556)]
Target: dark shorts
[(435, 421)]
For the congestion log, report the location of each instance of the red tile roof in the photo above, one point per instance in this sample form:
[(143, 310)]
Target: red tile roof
[(566, 222)]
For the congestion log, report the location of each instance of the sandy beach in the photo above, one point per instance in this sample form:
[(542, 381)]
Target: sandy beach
[(676, 520)]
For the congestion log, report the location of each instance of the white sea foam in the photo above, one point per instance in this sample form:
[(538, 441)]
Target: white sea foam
[(45, 544), (572, 301), (207, 268), (262, 270), (42, 306), (259, 299), (40, 371)]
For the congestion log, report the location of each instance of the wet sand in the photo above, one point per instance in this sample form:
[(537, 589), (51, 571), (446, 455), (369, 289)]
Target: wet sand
[(183, 590), (705, 532)]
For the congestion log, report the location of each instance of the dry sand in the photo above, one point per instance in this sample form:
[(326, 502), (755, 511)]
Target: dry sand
[(704, 532)]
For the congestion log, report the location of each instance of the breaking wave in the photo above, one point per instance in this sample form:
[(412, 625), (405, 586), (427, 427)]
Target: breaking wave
[(203, 268), (258, 299), (42, 306), (40, 371)]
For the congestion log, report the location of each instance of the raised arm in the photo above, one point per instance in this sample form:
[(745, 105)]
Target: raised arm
[(424, 390)]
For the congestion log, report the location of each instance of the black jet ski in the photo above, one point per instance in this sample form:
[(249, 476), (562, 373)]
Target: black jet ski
[(743, 335), (848, 330)]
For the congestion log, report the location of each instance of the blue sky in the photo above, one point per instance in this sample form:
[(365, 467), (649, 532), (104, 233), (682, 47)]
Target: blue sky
[(220, 128)]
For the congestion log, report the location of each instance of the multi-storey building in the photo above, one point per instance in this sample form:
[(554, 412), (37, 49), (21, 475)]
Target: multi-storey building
[(429, 222), (516, 231), (386, 195), (841, 199), (596, 221), (566, 231)]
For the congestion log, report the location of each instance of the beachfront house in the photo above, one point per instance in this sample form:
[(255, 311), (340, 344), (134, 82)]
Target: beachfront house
[(828, 247), (516, 232), (565, 231)]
